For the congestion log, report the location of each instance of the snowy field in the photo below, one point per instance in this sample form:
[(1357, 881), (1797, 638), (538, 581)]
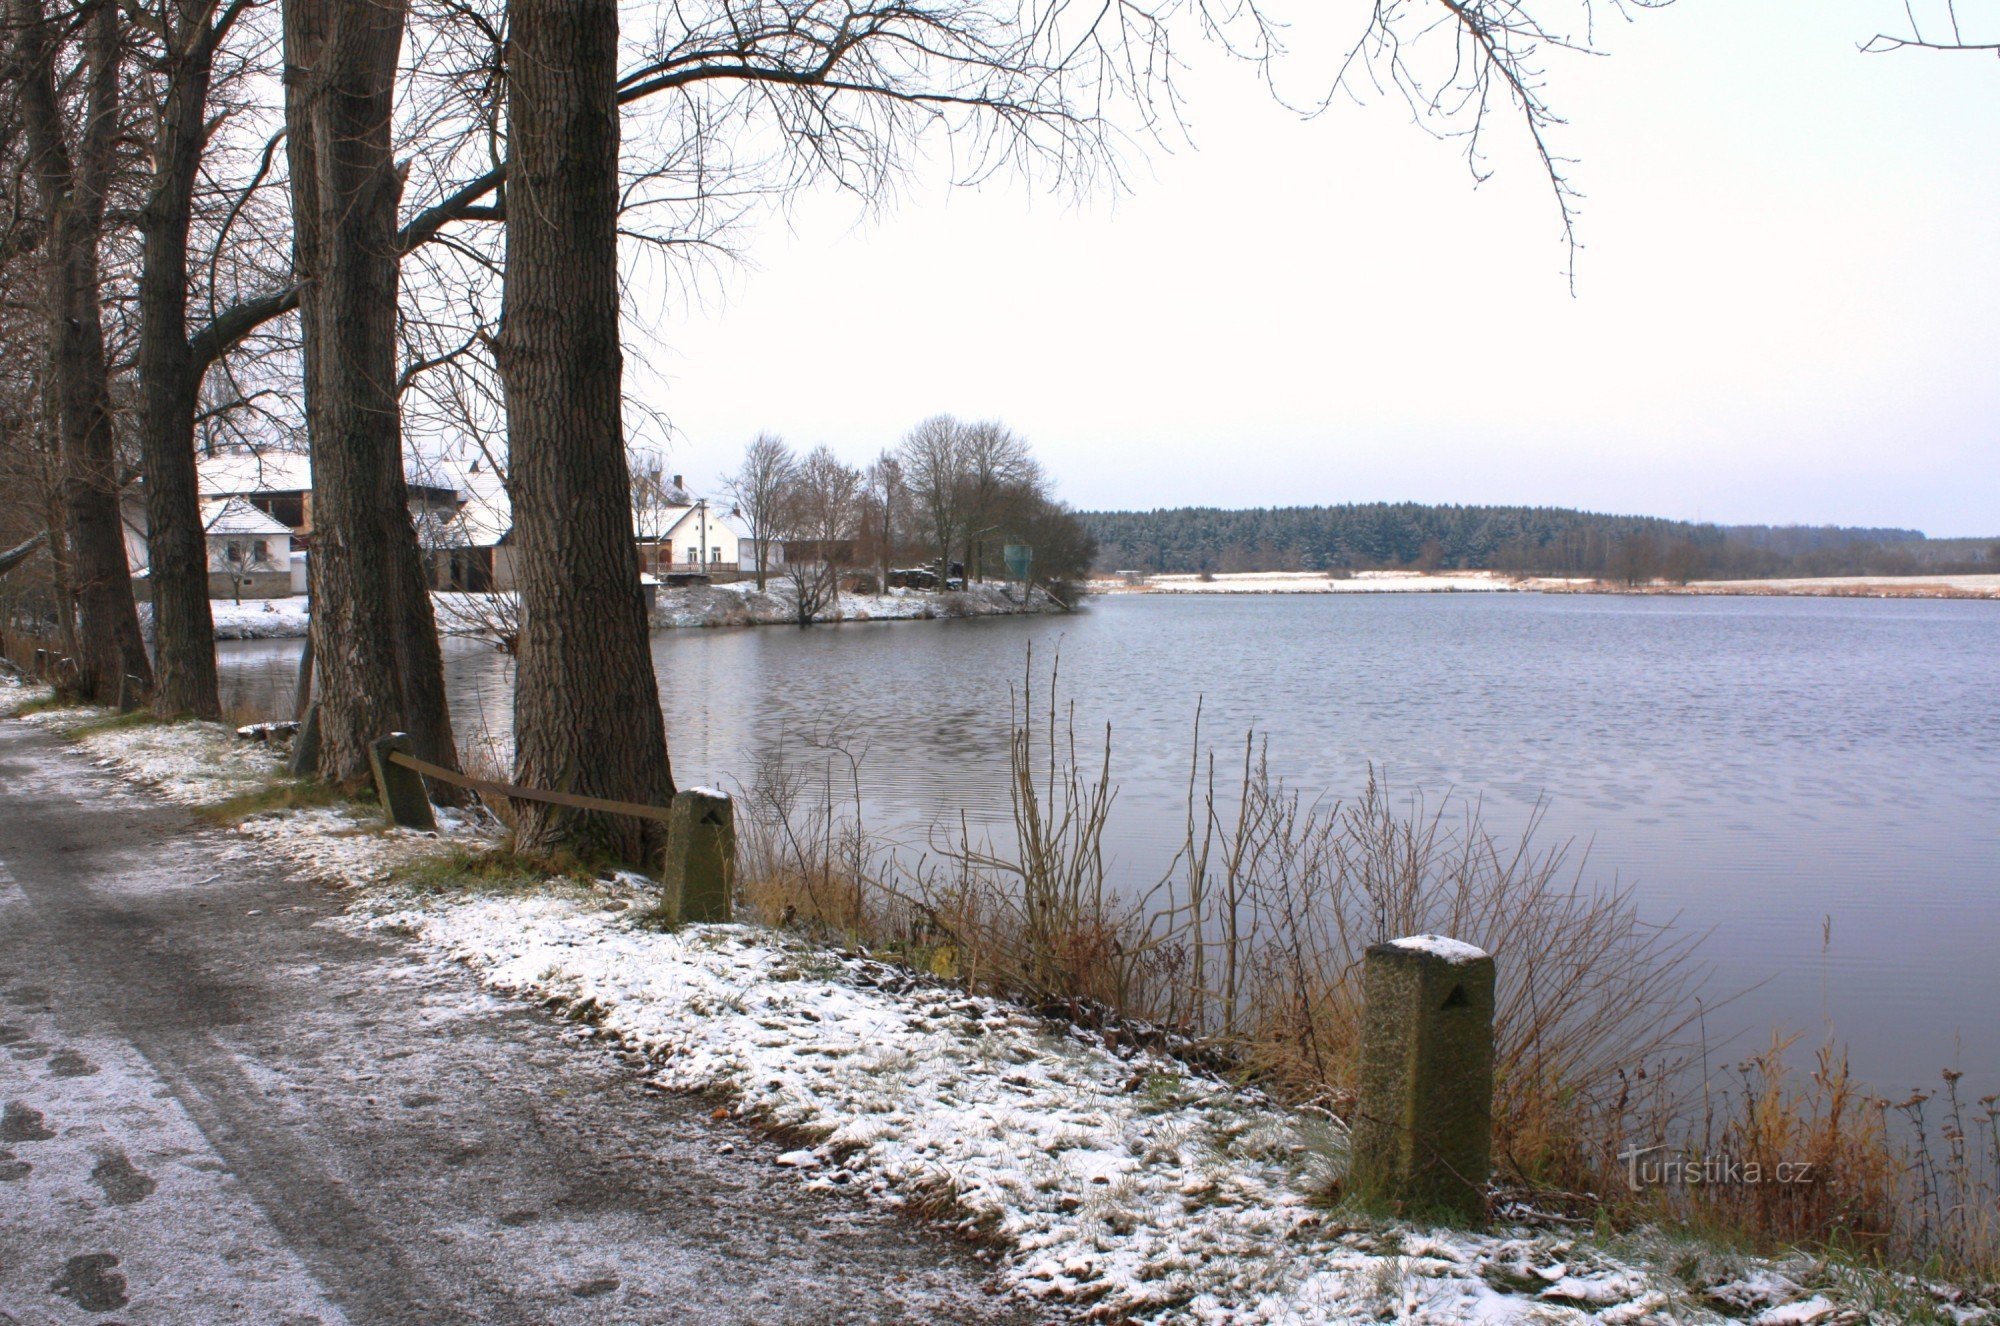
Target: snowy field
[(1915, 587), (252, 619), (1446, 582), (1122, 1183), (1316, 582)]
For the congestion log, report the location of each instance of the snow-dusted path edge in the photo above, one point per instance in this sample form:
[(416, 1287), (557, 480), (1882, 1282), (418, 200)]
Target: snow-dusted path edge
[(1123, 1182)]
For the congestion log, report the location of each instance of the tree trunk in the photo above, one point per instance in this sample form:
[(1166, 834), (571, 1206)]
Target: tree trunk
[(586, 705), (169, 382), (374, 644), (72, 196), (419, 660)]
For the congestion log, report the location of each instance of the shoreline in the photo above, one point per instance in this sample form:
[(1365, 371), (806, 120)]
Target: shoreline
[(1106, 1179), (1495, 582), (696, 607)]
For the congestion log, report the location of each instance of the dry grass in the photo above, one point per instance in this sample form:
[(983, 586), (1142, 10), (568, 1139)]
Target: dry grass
[(1249, 951)]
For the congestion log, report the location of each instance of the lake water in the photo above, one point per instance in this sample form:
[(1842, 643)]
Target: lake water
[(1765, 768)]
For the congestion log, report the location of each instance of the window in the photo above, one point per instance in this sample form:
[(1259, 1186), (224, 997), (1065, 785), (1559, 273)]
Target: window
[(715, 553), (694, 554), (263, 551)]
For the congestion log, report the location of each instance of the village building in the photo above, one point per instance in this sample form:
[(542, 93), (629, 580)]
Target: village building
[(260, 506), (249, 552), (684, 537)]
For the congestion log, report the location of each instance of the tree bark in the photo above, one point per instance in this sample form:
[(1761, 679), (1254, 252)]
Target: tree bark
[(586, 704), (374, 642), (169, 380), (71, 189)]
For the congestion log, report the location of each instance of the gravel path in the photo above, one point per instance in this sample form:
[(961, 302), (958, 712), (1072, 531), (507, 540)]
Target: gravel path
[(221, 1107)]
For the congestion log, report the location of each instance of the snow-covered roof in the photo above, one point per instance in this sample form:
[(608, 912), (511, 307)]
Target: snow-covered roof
[(243, 471), (234, 515), (486, 516), (672, 520)]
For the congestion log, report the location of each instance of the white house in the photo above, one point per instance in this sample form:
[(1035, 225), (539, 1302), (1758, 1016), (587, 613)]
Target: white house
[(681, 534), (472, 549), (249, 551)]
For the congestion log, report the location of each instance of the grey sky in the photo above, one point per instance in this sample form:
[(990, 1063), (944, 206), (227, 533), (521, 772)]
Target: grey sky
[(1787, 307)]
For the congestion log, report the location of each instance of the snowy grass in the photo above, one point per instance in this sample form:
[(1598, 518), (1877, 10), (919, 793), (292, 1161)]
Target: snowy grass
[(740, 603), (193, 763), (18, 694), (1120, 1180), (1114, 1179)]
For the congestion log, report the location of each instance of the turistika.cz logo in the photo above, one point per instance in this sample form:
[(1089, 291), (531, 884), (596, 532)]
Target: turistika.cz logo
[(1644, 1169)]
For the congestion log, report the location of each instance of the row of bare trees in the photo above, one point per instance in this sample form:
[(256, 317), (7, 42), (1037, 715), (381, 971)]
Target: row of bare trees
[(951, 494), (345, 224)]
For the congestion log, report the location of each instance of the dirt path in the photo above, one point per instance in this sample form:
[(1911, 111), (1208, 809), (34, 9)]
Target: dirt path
[(220, 1108)]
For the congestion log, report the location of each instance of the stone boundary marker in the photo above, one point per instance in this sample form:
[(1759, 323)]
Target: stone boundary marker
[(700, 876), (1422, 1136), (398, 785)]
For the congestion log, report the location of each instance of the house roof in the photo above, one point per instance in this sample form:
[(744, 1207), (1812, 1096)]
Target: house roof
[(233, 515), (233, 472), (243, 472), (485, 517), (677, 522)]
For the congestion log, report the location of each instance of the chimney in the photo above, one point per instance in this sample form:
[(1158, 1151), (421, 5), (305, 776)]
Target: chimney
[(678, 483)]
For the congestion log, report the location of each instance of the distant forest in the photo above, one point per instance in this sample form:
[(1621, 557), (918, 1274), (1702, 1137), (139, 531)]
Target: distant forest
[(1529, 540)]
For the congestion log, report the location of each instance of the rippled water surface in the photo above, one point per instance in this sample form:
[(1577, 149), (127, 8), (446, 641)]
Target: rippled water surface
[(1763, 768)]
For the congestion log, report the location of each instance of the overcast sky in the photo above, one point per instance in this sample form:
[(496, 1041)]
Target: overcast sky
[(1787, 307)]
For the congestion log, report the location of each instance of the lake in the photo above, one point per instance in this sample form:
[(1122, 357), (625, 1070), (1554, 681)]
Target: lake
[(1815, 781)]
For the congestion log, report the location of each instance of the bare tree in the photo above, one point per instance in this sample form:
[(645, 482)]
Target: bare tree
[(934, 464), (999, 474), (758, 489), (819, 503), (71, 166), (184, 36), (884, 504), (586, 704)]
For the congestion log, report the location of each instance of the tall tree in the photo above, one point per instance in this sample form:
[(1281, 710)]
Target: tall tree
[(586, 704), (819, 502), (934, 466), (71, 179), (998, 468), (885, 499), (375, 649), (758, 489), (185, 35)]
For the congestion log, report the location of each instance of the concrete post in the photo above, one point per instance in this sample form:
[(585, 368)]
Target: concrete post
[(699, 878), (1423, 1123), (400, 789)]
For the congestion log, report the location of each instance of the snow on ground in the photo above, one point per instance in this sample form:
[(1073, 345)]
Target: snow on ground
[(1126, 1182), (347, 846), (252, 619), (16, 693), (1316, 582), (193, 763), (1120, 1181), (741, 604), (1417, 582), (207, 764), (1916, 586), (736, 604)]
